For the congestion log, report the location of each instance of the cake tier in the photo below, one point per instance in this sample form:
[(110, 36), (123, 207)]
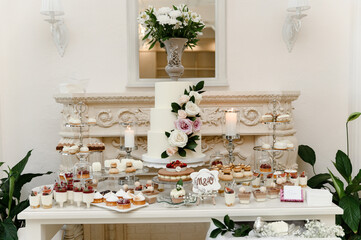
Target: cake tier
[(165, 175), (168, 92), (162, 119), (158, 143)]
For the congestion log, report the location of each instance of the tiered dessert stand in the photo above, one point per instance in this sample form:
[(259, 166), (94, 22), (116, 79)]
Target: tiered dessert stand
[(272, 153)]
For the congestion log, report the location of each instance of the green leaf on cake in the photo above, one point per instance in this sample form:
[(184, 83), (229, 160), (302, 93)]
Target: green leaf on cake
[(175, 107), (167, 134), (182, 152), (195, 137), (164, 154), (192, 99), (199, 86), (191, 144)]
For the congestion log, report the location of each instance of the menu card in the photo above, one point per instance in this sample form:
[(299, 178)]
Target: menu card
[(292, 194)]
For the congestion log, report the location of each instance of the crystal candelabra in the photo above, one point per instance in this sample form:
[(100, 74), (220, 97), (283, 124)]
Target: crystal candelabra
[(230, 129)]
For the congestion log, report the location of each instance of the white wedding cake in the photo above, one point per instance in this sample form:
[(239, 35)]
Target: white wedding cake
[(162, 120)]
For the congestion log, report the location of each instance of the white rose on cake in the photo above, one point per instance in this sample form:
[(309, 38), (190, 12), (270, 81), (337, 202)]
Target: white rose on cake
[(197, 97), (178, 139), (192, 109)]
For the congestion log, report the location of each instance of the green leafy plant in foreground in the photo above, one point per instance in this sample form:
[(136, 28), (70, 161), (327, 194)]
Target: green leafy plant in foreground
[(344, 195), (229, 226), (10, 193)]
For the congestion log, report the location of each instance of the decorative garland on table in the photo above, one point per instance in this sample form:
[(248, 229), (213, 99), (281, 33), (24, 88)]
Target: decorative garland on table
[(188, 122)]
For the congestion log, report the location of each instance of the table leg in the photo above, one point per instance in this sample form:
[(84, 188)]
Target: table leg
[(329, 220), (34, 230)]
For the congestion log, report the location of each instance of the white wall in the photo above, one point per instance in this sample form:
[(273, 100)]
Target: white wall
[(257, 60)]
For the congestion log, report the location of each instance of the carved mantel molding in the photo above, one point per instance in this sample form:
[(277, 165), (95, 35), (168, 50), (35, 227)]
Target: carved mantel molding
[(109, 109)]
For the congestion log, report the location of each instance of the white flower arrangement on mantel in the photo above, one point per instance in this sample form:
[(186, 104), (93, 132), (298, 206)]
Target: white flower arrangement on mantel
[(188, 122), (176, 22)]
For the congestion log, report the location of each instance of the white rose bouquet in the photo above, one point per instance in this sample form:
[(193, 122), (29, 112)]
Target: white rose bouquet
[(188, 122), (176, 22)]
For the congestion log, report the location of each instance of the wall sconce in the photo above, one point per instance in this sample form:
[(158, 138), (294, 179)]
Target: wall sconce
[(54, 9), (293, 23)]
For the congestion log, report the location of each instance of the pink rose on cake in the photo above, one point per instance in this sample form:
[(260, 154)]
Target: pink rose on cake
[(184, 99), (184, 125), (197, 124), (182, 114), (178, 138), (172, 150), (197, 97), (192, 109)]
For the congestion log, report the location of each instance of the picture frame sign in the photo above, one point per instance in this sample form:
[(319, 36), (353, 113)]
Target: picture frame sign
[(205, 181)]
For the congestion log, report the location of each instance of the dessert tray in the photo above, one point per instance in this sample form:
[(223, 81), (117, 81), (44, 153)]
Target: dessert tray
[(156, 180), (160, 162), (115, 208), (189, 200)]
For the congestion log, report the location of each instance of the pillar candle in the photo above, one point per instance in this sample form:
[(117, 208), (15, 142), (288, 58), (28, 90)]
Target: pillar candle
[(129, 138), (231, 123)]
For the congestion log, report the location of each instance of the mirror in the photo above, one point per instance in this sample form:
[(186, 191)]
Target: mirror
[(198, 62), (206, 61)]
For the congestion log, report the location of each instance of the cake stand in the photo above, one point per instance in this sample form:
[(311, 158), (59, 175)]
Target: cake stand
[(162, 162), (273, 152)]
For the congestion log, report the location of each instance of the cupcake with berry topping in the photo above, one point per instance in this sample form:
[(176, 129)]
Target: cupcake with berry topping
[(123, 204)]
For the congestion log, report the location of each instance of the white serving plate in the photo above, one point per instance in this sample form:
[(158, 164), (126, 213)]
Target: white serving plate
[(132, 207)]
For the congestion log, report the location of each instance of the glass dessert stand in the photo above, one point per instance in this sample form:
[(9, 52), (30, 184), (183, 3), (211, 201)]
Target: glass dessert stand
[(164, 196), (189, 199)]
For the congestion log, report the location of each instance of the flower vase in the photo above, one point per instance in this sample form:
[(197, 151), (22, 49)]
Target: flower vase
[(175, 48)]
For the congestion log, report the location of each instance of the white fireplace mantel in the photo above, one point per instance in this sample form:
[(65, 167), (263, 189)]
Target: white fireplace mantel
[(111, 108)]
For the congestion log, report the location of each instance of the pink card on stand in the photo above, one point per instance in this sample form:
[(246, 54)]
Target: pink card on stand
[(291, 194)]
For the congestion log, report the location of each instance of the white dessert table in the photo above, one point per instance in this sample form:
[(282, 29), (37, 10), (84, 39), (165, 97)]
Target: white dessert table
[(44, 222)]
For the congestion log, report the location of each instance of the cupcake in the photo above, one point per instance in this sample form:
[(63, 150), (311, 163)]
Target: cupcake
[(123, 204), (268, 117), (237, 172), (92, 121), (98, 198), (121, 194), (84, 149), (280, 145), (129, 196), (178, 193), (111, 201), (139, 199), (244, 196)]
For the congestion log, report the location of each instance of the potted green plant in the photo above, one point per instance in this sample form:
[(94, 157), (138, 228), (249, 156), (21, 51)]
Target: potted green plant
[(10, 193), (345, 192)]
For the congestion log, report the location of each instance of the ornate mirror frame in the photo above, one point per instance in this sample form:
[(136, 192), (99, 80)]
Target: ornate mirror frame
[(133, 49)]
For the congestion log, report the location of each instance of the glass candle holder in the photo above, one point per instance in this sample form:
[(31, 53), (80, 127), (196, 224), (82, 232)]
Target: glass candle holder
[(230, 130), (127, 137)]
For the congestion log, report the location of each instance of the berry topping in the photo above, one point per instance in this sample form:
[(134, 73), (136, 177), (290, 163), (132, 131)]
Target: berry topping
[(229, 190), (176, 164)]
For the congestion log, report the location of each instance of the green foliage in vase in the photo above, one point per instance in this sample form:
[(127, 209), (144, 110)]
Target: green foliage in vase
[(345, 191), (10, 193), (229, 226), (165, 23)]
